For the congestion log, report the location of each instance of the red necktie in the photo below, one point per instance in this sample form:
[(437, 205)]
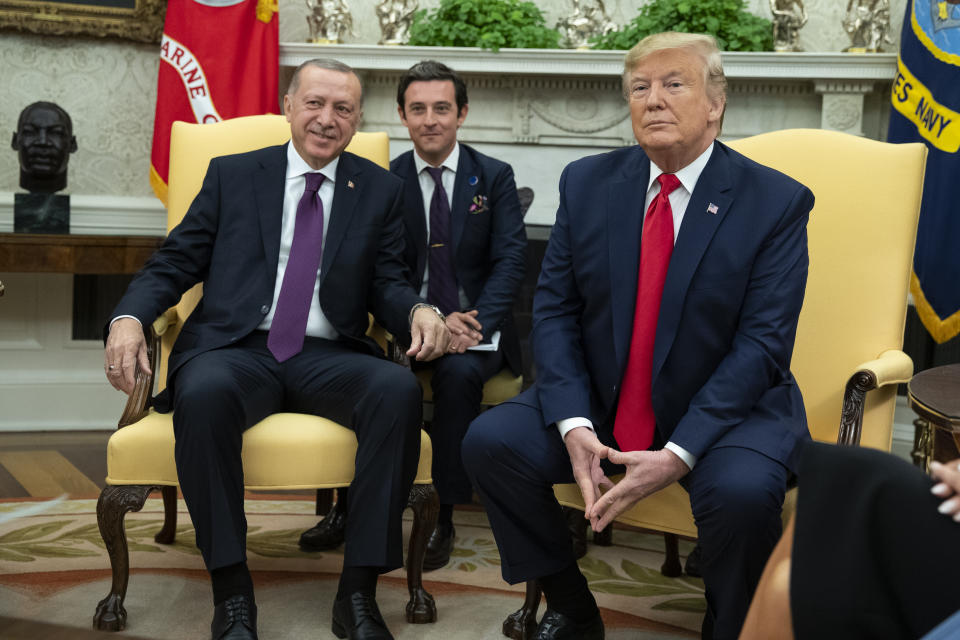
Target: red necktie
[(635, 422)]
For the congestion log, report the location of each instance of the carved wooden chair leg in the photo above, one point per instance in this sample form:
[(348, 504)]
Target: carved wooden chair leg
[(169, 530), (578, 530), (522, 623), (113, 505), (671, 563), (604, 538), (426, 505)]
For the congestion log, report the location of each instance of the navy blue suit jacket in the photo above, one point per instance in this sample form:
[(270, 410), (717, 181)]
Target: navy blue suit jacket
[(728, 317), (229, 239), (489, 243)]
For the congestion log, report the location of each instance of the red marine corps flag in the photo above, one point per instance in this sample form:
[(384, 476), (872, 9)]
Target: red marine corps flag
[(219, 59)]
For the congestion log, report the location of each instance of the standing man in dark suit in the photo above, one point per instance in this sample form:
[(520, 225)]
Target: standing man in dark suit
[(465, 247), (664, 323), (281, 327)]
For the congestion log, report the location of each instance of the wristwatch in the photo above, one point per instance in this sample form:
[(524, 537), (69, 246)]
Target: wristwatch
[(424, 305)]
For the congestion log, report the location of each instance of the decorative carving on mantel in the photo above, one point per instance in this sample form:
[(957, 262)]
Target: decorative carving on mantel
[(845, 86), (522, 114), (843, 113), (769, 87), (577, 113)]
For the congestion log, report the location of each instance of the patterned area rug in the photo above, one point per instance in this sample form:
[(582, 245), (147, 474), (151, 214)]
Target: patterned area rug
[(53, 568)]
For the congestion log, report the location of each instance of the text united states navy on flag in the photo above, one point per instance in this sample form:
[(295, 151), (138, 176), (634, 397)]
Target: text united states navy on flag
[(925, 101)]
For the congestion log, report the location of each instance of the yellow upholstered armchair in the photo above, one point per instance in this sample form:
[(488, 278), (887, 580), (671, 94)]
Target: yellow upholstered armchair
[(285, 451), (861, 236)]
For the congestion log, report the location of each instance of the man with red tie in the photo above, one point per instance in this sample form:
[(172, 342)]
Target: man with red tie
[(664, 322)]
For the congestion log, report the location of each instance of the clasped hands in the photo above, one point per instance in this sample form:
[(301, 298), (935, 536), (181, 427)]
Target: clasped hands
[(464, 331), (646, 473)]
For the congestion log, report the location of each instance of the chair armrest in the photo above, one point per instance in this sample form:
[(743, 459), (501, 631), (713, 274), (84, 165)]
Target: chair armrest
[(166, 320), (142, 381), (892, 367), (394, 350)]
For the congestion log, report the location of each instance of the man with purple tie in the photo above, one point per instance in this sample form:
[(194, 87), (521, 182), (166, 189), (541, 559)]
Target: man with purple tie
[(465, 248), (294, 244), (663, 327)]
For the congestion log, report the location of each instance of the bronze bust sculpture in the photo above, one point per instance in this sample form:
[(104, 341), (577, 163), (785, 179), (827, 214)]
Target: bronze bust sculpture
[(44, 140)]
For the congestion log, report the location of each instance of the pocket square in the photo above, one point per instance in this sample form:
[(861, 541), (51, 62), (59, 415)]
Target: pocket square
[(479, 205)]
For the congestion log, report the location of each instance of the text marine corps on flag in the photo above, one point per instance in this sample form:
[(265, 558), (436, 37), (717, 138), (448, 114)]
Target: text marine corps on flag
[(194, 80)]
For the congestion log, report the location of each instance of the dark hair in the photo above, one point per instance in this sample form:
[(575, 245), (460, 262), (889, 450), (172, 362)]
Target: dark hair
[(45, 105), (322, 63), (427, 70)]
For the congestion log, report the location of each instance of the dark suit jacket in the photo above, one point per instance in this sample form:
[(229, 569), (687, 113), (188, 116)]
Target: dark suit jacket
[(489, 242), (728, 317), (230, 240)]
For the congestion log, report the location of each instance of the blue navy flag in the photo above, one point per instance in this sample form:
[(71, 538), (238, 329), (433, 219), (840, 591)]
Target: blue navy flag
[(926, 108)]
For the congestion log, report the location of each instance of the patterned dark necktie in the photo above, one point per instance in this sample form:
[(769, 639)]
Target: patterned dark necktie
[(442, 281), (289, 326), (635, 421)]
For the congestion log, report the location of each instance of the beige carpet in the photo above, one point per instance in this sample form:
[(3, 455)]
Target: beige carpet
[(53, 568)]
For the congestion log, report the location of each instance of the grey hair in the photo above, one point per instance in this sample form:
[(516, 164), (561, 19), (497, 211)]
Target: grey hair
[(322, 63)]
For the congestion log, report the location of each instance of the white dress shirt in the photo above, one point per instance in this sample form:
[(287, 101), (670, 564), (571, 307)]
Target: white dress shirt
[(679, 199), (317, 323)]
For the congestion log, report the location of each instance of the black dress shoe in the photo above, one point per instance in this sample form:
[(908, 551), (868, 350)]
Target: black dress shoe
[(234, 619), (692, 566), (357, 617), (556, 626), (439, 547), (327, 534)]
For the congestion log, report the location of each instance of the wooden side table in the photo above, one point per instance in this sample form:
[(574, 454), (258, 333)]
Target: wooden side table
[(934, 395), (50, 253)]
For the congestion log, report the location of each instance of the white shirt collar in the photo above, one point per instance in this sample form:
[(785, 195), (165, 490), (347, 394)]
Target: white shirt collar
[(297, 166), (689, 175), (449, 163)]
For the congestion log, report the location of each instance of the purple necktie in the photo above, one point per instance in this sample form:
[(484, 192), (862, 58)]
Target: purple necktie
[(293, 305), (442, 282)]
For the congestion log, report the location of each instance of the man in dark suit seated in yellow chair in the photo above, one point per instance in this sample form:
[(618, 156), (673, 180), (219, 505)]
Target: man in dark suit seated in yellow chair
[(282, 327), (465, 247)]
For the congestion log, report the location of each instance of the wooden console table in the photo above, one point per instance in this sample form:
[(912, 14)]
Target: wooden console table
[(48, 253)]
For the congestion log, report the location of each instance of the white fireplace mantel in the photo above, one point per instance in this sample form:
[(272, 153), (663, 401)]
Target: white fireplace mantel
[(568, 62)]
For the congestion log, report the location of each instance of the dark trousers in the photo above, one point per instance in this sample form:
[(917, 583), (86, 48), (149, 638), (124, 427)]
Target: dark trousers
[(457, 383), (736, 494), (219, 394)]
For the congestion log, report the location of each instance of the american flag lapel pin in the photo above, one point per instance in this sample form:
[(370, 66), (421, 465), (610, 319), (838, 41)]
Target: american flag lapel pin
[(712, 208), (350, 186)]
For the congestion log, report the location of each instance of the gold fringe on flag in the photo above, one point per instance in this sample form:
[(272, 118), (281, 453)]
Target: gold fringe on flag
[(939, 330)]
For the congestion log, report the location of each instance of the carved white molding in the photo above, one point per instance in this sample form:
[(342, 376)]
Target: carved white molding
[(564, 62)]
